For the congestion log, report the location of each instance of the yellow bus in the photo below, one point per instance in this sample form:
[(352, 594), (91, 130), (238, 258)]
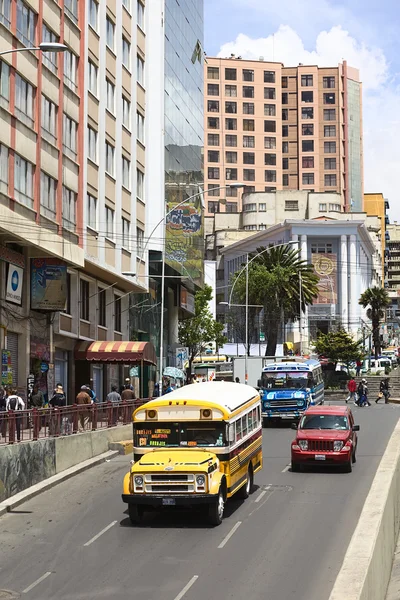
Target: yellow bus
[(199, 444)]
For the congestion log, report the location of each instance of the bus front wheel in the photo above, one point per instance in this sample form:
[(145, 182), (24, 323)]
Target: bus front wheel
[(135, 513), (246, 489), (216, 509)]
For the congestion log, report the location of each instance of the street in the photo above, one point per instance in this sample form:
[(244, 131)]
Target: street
[(286, 541)]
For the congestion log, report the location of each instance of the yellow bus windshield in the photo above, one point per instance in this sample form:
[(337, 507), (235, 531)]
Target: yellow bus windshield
[(182, 435)]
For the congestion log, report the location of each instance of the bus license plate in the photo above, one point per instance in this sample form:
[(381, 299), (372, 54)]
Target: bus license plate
[(168, 501), (320, 457)]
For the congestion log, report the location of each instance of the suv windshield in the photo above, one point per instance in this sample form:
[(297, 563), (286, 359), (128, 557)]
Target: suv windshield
[(324, 422), (170, 435), (293, 380)]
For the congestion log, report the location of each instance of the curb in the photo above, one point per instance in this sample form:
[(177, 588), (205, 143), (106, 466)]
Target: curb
[(11, 503), (125, 447)]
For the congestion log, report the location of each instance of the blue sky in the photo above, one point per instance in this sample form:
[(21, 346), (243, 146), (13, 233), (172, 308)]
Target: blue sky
[(364, 32)]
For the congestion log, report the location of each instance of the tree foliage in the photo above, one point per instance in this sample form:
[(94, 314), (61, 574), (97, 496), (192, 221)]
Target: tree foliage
[(201, 329), (375, 300), (339, 346)]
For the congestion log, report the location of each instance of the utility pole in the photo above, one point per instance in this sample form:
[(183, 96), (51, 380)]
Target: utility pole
[(300, 314), (246, 375)]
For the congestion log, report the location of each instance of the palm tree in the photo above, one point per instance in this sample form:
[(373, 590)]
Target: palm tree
[(375, 300), (277, 280)]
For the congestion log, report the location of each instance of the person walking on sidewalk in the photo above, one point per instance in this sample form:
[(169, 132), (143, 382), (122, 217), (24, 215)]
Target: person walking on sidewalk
[(383, 391), (352, 387), (358, 368), (83, 399), (57, 402), (15, 402), (115, 399), (362, 391)]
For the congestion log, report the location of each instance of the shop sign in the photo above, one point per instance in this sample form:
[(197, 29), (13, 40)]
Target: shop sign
[(14, 284), (187, 300), (6, 368), (48, 284), (11, 256), (44, 367), (134, 372)]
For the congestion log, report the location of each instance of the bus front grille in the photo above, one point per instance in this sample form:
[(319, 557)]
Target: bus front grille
[(170, 488)]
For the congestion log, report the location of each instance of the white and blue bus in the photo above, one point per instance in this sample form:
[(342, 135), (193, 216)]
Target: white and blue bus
[(288, 387)]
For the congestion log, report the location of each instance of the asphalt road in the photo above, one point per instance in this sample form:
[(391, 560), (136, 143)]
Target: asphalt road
[(287, 541)]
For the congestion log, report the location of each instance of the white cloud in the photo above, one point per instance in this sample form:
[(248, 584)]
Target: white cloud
[(380, 98)]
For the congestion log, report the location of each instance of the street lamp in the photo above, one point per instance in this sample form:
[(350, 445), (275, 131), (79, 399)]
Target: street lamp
[(246, 268), (43, 47)]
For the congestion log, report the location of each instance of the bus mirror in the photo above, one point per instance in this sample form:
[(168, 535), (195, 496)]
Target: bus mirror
[(259, 383)]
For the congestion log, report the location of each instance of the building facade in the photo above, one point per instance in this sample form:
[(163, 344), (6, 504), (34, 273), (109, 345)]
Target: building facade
[(282, 128)]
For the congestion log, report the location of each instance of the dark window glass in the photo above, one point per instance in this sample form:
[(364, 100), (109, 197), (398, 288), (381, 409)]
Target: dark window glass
[(231, 174), (231, 140), (329, 130), (248, 124), (307, 128), (329, 114), (330, 180), (249, 175), (102, 307), (329, 98), (308, 162), (270, 176), (307, 81), (269, 76), (330, 147), (231, 91), (68, 303), (269, 93), (270, 159), (270, 126), (117, 313), (231, 157), (284, 82), (269, 110), (285, 179), (308, 178), (248, 91), (307, 145), (330, 164), (307, 112), (212, 72), (213, 189), (230, 74), (285, 98), (84, 300), (248, 75), (213, 207), (248, 141), (213, 89), (213, 139), (285, 163), (248, 108), (231, 107), (248, 158), (213, 172), (231, 124), (270, 143), (213, 105), (307, 96), (329, 82), (213, 156), (285, 114), (285, 147), (231, 207), (213, 122), (285, 130)]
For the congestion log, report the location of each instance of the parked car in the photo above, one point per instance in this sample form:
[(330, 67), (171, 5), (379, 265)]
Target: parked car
[(326, 435)]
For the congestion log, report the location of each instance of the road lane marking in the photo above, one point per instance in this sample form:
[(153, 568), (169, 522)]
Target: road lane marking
[(260, 496), (230, 534), (187, 587), (96, 537), (35, 583), (286, 468)]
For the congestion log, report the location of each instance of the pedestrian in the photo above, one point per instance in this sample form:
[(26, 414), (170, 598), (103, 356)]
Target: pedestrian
[(3, 409), (237, 380), (14, 402), (37, 398), (83, 400), (127, 392), (115, 398), (168, 387), (91, 392), (57, 402), (362, 392), (352, 387), (383, 391), (358, 368)]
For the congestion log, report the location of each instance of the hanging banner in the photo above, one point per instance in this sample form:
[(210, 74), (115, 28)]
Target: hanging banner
[(187, 301), (325, 266), (14, 284), (48, 284)]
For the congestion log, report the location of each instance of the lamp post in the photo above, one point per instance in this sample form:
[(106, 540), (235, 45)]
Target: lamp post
[(246, 268), (43, 47)]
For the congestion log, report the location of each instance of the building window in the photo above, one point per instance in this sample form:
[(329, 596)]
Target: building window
[(231, 91), (3, 168), (213, 139), (49, 58), (213, 156), (126, 237), (330, 164), (270, 159), (248, 124), (49, 120), (126, 173), (48, 196), (291, 205), (285, 179), (269, 110), (231, 107), (307, 145), (285, 163), (307, 128), (330, 180), (249, 189), (213, 207), (91, 212), (5, 12), (126, 112), (249, 175), (140, 15), (252, 207), (248, 158), (110, 33), (307, 96), (335, 208), (248, 141), (71, 9), (231, 157), (140, 127), (92, 83), (231, 174), (70, 63), (307, 162), (84, 300), (140, 239), (284, 81), (248, 75), (231, 207), (213, 172), (110, 91), (231, 140), (23, 181), (231, 124), (140, 70), (285, 98), (270, 176), (230, 74), (248, 91), (308, 178), (213, 189), (4, 84), (70, 128), (321, 247), (213, 89), (329, 82), (329, 130), (110, 153), (93, 14), (140, 184), (269, 93), (212, 73), (322, 207), (248, 108), (231, 192), (92, 144), (307, 81), (262, 207), (68, 209), (270, 126), (285, 130), (269, 143), (307, 113), (269, 76), (212, 106), (109, 223), (329, 147), (285, 114), (26, 24), (102, 296), (24, 95), (126, 53), (329, 114), (329, 98), (213, 122)]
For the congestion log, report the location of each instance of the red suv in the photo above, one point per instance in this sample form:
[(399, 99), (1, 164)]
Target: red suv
[(327, 435)]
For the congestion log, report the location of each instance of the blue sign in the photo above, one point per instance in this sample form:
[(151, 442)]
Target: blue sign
[(14, 284), (44, 367)]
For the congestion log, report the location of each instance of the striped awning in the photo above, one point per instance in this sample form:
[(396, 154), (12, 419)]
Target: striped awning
[(126, 352)]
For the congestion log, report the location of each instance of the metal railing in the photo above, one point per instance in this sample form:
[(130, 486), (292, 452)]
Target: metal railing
[(37, 423)]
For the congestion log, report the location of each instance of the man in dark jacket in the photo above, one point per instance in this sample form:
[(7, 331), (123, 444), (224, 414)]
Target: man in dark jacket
[(383, 391)]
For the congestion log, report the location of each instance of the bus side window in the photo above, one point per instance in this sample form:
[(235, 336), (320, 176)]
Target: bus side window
[(244, 425), (238, 429), (250, 421), (255, 423), (258, 415)]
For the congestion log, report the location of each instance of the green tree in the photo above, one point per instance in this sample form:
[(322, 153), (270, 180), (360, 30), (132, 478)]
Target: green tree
[(375, 300), (274, 283), (201, 329), (339, 346)]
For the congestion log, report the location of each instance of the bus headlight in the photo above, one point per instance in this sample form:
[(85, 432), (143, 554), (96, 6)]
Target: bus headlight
[(267, 404), (200, 480), (300, 402), (138, 481)]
